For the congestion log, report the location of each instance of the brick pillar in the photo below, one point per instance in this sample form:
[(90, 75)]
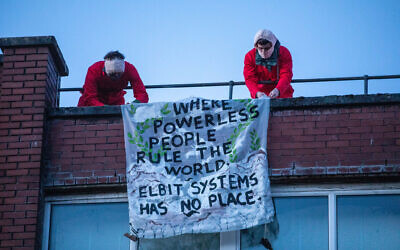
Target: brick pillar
[(1, 71), (32, 67)]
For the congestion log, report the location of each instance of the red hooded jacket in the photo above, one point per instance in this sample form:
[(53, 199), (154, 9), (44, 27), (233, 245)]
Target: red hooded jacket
[(254, 73), (100, 90)]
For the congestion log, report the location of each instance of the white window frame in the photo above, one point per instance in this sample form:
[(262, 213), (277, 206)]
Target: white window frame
[(231, 240)]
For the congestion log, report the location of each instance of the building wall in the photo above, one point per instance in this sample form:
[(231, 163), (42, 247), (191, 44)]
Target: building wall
[(354, 139)]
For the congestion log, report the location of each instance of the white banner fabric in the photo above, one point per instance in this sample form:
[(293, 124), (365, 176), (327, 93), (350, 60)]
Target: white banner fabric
[(197, 166)]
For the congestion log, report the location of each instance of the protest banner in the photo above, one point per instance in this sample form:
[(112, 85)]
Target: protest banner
[(197, 166)]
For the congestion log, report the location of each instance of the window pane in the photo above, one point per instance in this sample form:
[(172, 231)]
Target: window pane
[(89, 226), (186, 241), (302, 223), (368, 222)]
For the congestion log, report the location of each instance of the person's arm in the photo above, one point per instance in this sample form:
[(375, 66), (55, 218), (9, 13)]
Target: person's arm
[(285, 70), (139, 91), (250, 75), (90, 89)]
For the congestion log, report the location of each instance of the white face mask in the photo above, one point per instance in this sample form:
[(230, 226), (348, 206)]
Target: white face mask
[(114, 66)]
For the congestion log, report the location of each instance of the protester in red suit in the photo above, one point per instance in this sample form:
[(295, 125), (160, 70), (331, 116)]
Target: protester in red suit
[(268, 61), (105, 82)]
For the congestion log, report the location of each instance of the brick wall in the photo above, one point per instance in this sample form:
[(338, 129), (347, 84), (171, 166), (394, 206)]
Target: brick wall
[(350, 139), (345, 140), (1, 71), (28, 73), (85, 151)]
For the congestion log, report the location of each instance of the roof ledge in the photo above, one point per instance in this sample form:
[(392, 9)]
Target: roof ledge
[(333, 101)]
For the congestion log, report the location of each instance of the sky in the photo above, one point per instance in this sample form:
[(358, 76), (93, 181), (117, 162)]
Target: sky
[(184, 41)]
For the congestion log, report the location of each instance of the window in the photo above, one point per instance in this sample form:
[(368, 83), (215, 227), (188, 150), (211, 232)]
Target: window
[(368, 222), (89, 226), (301, 223), (186, 241), (100, 222), (348, 216)]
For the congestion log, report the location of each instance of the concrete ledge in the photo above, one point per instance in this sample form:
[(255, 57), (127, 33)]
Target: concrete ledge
[(84, 111), (334, 101), (278, 104), (36, 41), (289, 180)]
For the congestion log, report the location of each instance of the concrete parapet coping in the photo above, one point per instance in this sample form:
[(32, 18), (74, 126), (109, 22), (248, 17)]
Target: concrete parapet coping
[(276, 104)]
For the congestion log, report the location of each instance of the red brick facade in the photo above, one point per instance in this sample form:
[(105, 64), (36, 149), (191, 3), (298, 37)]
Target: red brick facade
[(29, 85), (85, 151), (48, 150), (343, 140), (354, 139), (1, 71)]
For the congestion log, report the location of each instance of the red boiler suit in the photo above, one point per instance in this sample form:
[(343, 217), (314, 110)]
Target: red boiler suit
[(100, 90), (254, 73)]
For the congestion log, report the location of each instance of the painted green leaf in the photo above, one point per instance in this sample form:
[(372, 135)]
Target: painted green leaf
[(155, 156), (132, 111), (164, 109)]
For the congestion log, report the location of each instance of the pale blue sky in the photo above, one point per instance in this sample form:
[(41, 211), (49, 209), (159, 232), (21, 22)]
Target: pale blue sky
[(179, 41)]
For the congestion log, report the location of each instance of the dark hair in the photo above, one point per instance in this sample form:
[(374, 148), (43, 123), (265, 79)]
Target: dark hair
[(263, 42), (114, 54)]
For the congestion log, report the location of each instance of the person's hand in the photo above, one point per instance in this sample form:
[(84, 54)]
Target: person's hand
[(260, 94), (274, 93)]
